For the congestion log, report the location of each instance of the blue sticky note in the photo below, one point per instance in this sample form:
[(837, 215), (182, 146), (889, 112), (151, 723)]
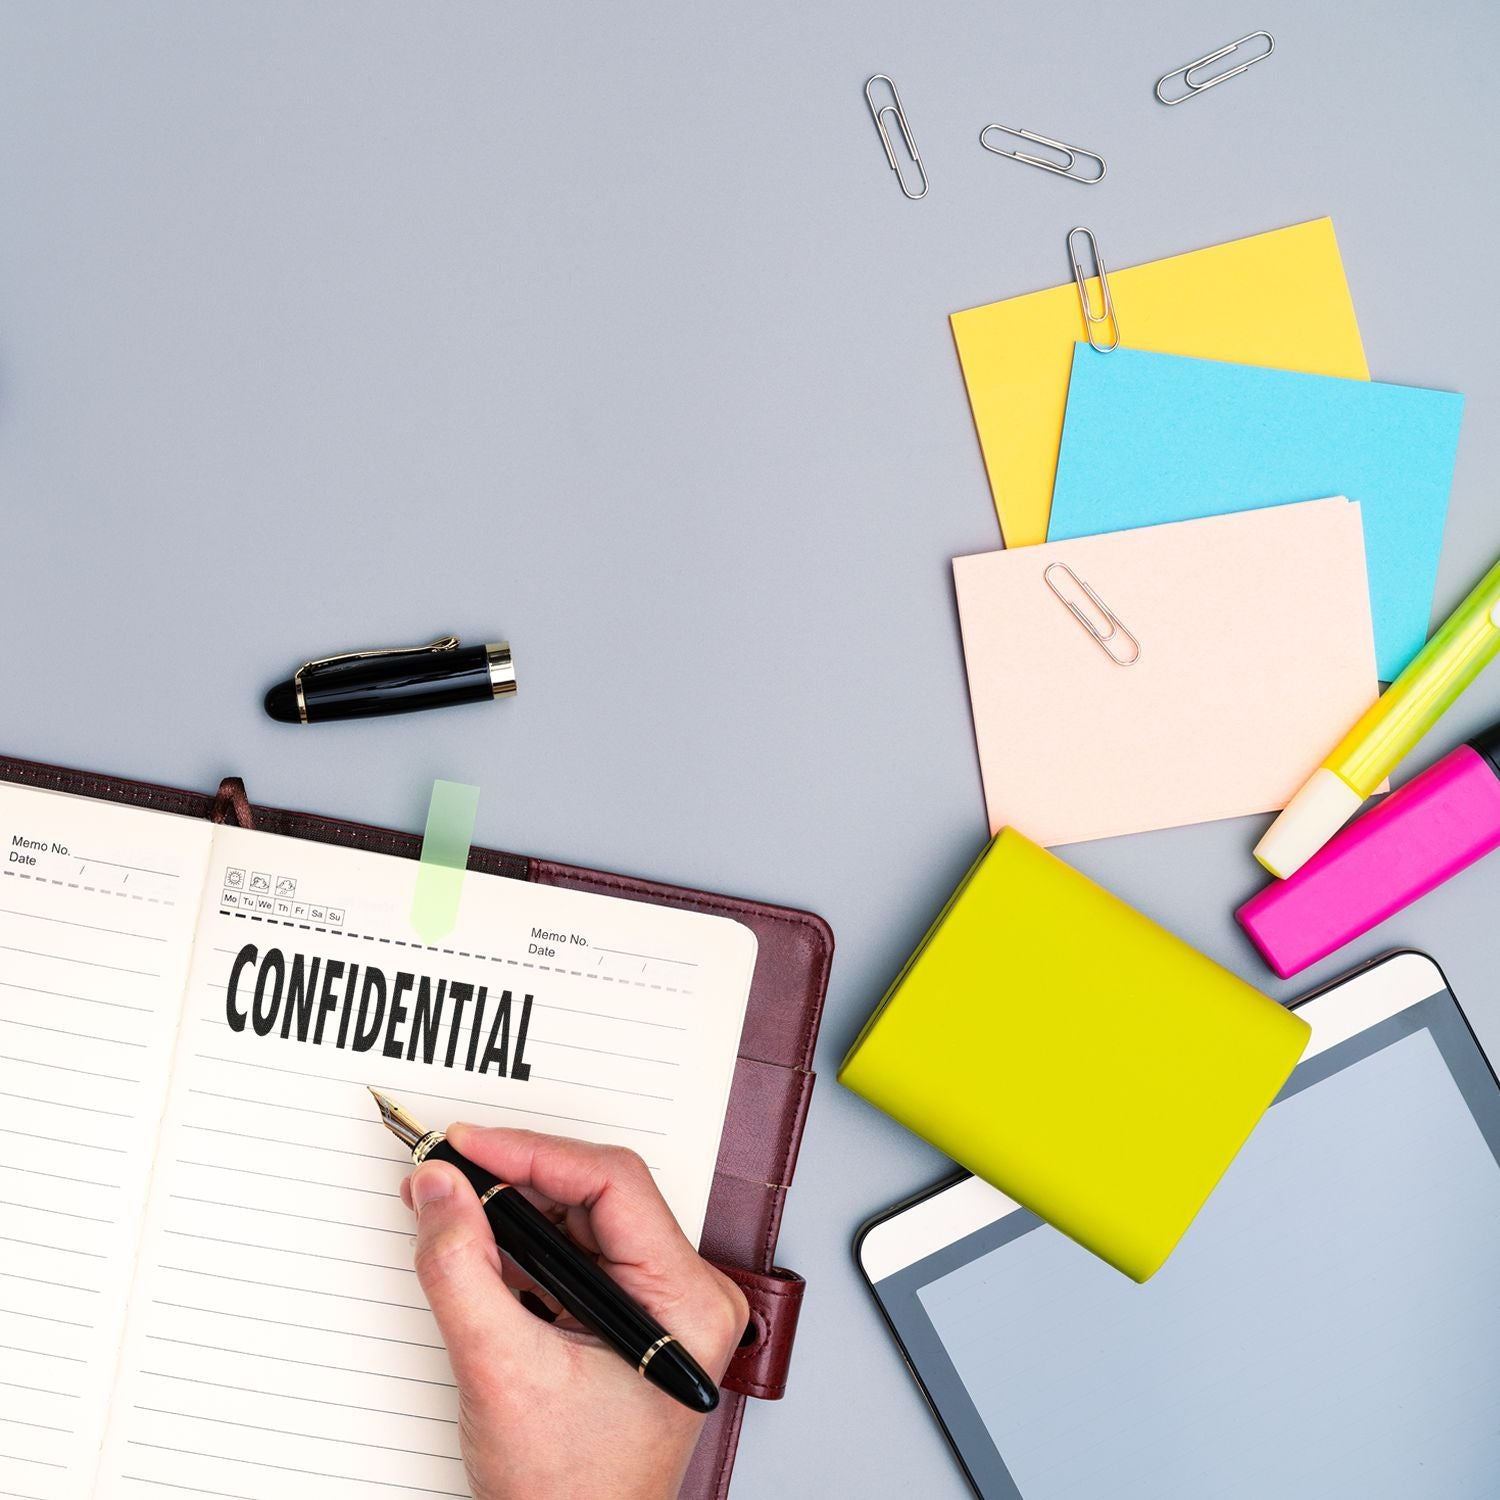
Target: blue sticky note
[(1151, 438)]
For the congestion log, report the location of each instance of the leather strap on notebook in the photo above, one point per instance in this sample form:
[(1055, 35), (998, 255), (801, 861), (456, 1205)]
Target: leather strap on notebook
[(232, 804), (759, 1366)]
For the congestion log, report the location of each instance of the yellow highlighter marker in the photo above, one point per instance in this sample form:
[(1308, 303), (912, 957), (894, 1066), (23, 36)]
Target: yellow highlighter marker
[(1462, 646)]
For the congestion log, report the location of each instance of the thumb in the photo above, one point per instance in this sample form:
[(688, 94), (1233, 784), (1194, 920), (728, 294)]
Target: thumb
[(486, 1330)]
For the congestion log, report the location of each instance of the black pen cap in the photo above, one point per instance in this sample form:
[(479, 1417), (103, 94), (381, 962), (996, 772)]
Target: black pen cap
[(397, 680)]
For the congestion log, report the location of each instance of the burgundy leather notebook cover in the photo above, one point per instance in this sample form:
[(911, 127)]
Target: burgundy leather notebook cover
[(773, 1077)]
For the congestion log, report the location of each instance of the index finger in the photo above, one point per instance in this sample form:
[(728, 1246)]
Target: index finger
[(628, 1216)]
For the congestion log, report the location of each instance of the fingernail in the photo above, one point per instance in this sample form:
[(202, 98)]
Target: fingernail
[(428, 1186)]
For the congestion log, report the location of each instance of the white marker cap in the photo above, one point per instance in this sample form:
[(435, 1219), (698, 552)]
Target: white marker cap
[(1325, 803)]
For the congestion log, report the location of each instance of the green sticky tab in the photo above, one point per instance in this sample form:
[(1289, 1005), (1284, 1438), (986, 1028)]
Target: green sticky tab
[(445, 855)]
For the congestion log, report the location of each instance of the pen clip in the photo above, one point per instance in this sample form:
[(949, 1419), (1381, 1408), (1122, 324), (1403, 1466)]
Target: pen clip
[(442, 643)]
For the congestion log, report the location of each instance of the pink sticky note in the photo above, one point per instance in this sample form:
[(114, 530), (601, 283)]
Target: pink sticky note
[(1249, 647)]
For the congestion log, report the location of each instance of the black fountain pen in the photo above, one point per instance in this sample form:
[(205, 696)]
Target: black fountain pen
[(560, 1268), (395, 680)]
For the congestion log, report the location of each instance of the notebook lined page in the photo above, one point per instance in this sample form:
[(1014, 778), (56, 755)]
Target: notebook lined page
[(279, 1340), (97, 908)]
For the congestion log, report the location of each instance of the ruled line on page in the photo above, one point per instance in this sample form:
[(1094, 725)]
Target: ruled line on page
[(45, 1318), (316, 1437), (284, 1213), (118, 1114), (191, 1489), (301, 1109), (270, 1140), (6, 1166), (40, 1390), (66, 1286), (135, 869), (64, 958), (56, 1140), (82, 1036), (603, 1088), (36, 916), (66, 1249), (397, 1159), (605, 1015), (8, 984), (311, 1291), (240, 1062), (386, 1484), (346, 1260), (34, 1062), (60, 1213), (303, 1328), (576, 1083), (330, 1114), (339, 1187), (654, 958), (250, 1390), (486, 1104), (71, 1359), (521, 1109), (664, 1062), (348, 1333), (311, 1364)]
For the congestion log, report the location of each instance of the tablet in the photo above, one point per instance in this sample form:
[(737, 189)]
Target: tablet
[(1328, 1327)]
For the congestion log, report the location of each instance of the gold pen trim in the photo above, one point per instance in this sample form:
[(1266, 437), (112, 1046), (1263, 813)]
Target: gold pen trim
[(650, 1354), (485, 1197), (502, 668), (428, 1141)]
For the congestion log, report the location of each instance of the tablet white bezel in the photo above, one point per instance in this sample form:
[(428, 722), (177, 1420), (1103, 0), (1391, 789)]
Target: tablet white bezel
[(1366, 997)]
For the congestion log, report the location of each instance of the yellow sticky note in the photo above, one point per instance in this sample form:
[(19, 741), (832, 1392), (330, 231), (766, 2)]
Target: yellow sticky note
[(1074, 1054), (1277, 299)]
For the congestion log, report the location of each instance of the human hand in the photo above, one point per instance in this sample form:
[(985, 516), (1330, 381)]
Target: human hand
[(547, 1411)]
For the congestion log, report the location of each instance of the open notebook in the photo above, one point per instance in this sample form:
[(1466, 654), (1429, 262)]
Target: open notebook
[(205, 1273)]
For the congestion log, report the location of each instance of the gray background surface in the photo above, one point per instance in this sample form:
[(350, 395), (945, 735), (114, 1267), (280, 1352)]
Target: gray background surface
[(605, 328)]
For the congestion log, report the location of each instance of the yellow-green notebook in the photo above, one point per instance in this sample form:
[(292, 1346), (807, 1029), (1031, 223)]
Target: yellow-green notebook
[(1068, 1050)]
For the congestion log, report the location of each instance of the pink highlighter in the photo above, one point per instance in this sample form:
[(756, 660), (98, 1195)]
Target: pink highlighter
[(1439, 823)]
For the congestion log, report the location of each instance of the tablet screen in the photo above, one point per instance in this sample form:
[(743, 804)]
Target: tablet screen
[(1330, 1325)]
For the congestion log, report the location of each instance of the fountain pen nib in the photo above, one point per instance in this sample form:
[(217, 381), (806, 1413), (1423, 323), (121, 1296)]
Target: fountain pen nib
[(396, 1120)]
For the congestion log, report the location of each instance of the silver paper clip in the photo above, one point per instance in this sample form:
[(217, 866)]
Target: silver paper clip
[(1194, 87), (1103, 638), (1107, 314), (897, 112), (1063, 169)]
